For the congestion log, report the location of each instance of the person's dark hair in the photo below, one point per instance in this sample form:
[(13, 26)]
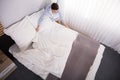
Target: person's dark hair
[(54, 6)]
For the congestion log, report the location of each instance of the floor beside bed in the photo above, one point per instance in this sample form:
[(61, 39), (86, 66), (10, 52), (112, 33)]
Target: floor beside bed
[(110, 66)]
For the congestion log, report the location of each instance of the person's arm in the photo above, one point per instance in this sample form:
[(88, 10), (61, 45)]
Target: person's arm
[(39, 22), (59, 20)]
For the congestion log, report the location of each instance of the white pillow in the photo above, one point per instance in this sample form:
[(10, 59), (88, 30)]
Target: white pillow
[(22, 33)]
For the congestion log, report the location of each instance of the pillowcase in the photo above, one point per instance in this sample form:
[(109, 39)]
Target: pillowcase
[(22, 33)]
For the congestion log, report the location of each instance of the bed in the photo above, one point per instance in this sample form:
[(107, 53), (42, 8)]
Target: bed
[(54, 49), (49, 50)]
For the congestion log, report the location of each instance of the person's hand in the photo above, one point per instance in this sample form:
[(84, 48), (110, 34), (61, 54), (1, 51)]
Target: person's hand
[(58, 21), (37, 29), (66, 25)]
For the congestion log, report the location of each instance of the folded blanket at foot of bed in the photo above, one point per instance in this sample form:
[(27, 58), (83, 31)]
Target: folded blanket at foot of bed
[(80, 60)]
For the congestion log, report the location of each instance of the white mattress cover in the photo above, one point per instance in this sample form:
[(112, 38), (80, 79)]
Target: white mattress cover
[(91, 74)]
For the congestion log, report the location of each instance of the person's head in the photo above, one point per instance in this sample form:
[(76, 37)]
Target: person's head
[(54, 7)]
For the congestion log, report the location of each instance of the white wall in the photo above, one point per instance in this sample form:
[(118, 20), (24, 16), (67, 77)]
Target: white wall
[(13, 10), (100, 19)]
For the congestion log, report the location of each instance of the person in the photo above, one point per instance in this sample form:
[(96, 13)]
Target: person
[(52, 12)]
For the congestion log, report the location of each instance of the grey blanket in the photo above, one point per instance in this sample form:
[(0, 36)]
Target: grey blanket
[(81, 58)]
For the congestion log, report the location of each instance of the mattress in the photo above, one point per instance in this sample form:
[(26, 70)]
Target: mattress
[(90, 76)]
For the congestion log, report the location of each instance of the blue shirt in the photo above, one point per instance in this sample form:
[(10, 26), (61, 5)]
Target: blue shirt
[(48, 13)]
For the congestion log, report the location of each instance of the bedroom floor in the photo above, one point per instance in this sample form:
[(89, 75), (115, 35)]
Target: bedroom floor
[(108, 70), (110, 66)]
